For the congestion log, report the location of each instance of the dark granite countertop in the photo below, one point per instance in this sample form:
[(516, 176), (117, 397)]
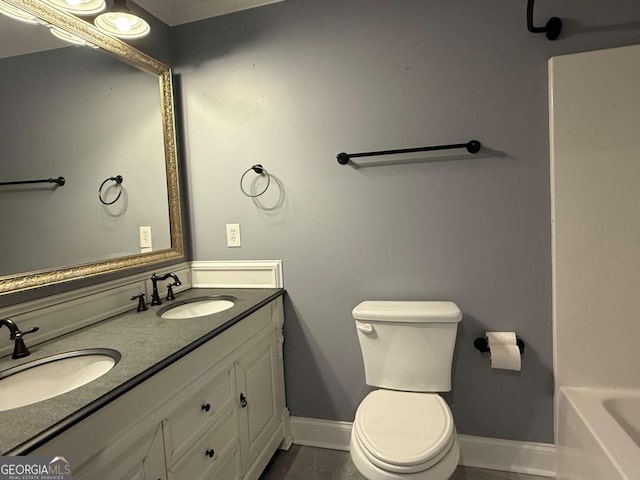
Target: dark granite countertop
[(147, 344)]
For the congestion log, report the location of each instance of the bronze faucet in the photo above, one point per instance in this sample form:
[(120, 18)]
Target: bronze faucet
[(19, 348), (155, 296)]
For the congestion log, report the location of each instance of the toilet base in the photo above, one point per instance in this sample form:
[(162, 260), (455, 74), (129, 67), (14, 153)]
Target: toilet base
[(440, 471)]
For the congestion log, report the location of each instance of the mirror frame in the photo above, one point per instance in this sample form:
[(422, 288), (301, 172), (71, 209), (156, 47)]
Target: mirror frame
[(77, 26)]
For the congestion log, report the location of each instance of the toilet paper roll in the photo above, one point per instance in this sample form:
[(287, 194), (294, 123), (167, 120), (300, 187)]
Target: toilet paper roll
[(505, 357), (501, 338), (504, 351)]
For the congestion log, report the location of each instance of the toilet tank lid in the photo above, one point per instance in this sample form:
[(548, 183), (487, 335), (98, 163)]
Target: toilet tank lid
[(408, 312)]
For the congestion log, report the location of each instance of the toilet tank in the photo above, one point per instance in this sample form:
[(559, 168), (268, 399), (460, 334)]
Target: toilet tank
[(407, 345)]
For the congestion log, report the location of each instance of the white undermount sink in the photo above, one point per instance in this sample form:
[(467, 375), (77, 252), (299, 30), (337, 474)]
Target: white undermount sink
[(198, 307), (52, 376)]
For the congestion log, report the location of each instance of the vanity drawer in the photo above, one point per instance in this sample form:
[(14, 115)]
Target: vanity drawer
[(229, 468), (196, 412), (211, 452)]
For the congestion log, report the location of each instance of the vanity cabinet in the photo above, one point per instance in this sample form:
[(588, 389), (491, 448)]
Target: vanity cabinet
[(142, 460), (217, 413), (256, 382)]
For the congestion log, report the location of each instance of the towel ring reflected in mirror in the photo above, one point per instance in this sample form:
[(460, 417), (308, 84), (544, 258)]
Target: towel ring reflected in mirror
[(118, 183)]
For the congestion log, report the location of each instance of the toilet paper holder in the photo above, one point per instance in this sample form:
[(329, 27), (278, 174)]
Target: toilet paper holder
[(482, 344)]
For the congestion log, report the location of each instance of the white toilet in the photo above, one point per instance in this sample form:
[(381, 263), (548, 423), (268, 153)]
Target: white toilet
[(405, 430)]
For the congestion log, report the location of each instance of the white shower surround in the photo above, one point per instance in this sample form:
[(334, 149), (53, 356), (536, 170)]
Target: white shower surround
[(599, 434), (596, 262)]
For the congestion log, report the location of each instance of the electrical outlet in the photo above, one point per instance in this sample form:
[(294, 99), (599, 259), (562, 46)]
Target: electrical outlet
[(145, 237), (233, 235)]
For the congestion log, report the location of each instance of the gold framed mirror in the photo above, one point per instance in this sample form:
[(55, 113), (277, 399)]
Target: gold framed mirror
[(15, 281)]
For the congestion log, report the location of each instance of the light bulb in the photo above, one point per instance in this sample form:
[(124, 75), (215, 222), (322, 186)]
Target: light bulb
[(123, 24)]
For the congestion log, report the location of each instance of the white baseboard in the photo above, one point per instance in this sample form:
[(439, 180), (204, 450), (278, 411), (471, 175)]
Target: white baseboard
[(321, 433), (481, 452), (508, 455), (237, 274)]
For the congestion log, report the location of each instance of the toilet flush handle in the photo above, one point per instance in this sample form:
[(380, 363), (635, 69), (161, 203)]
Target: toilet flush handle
[(365, 327)]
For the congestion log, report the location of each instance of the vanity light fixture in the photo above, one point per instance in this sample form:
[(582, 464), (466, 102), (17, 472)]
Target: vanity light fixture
[(121, 22), (17, 14), (70, 37), (79, 7)]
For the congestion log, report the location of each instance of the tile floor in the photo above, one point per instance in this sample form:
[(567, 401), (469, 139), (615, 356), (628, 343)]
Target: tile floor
[(308, 463)]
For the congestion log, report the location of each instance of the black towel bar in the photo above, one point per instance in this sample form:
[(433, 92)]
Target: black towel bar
[(472, 146), (60, 181)]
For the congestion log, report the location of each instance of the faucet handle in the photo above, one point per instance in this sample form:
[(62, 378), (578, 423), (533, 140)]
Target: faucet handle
[(31, 330), (20, 350), (142, 306), (170, 294)]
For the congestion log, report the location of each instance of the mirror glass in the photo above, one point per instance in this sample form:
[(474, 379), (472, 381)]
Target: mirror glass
[(100, 118)]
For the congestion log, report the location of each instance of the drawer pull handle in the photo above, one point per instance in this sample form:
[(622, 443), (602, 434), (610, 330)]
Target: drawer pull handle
[(210, 453), (243, 400), (206, 407)]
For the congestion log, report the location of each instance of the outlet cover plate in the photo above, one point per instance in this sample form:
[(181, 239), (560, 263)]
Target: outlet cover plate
[(145, 237), (233, 235)]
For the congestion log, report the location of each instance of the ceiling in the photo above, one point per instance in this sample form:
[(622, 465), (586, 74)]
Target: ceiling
[(177, 12)]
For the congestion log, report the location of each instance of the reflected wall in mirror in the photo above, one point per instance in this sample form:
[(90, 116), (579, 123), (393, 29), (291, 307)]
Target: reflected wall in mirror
[(87, 115)]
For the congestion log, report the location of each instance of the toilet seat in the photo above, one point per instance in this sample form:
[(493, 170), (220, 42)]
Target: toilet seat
[(403, 432)]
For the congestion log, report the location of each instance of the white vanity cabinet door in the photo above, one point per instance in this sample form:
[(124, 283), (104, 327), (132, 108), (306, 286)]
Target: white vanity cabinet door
[(142, 459), (256, 389)]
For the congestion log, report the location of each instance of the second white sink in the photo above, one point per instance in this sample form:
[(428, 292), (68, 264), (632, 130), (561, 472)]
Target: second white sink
[(198, 307), (52, 376)]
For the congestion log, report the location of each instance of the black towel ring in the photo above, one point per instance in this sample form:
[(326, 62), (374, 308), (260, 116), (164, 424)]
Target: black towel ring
[(118, 180), (260, 170)]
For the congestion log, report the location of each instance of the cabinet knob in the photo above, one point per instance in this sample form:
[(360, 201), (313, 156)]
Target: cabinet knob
[(210, 453), (206, 407), (243, 400)]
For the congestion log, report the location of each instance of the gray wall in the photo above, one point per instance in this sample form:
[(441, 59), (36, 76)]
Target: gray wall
[(292, 84)]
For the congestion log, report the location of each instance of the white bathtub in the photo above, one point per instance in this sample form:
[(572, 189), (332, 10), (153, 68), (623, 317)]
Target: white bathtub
[(598, 434)]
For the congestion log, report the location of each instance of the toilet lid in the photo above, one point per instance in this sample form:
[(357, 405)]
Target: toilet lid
[(404, 429)]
